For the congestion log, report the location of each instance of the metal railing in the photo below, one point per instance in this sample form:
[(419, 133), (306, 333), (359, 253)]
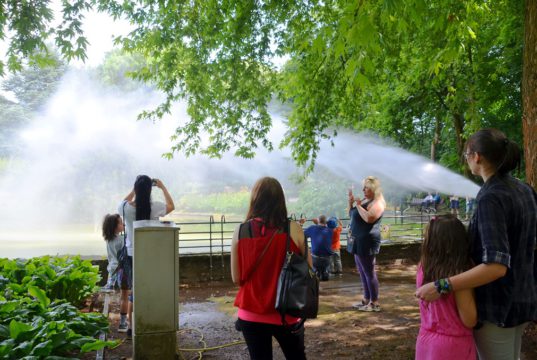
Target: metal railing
[(213, 238)]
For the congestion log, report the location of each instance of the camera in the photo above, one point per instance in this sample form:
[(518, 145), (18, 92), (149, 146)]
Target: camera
[(153, 182)]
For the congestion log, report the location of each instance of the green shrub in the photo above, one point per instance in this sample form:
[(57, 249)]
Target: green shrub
[(39, 317), (68, 278), (37, 329)]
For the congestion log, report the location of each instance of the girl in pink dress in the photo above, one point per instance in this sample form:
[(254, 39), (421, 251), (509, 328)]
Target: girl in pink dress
[(446, 324)]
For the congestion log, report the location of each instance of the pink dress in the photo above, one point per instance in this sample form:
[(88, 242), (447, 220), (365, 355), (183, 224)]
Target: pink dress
[(442, 334)]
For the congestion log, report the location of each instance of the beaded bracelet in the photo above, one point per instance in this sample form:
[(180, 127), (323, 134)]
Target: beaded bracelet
[(443, 286)]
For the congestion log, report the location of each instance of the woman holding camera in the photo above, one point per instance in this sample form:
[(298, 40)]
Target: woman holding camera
[(137, 205), (365, 229)]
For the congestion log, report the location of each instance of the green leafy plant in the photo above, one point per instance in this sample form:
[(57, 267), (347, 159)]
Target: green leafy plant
[(69, 278), (39, 317), (38, 329)]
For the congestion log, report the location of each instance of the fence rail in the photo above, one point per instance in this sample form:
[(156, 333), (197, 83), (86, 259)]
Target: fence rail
[(213, 237)]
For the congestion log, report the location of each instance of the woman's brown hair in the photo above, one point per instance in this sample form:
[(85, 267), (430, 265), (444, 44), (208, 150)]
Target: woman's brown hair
[(267, 202), (446, 248), (110, 223), (500, 152)]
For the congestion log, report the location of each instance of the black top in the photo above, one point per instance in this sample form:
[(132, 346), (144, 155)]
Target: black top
[(503, 230), (367, 235)]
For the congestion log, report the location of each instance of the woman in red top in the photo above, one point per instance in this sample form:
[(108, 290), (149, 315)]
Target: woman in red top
[(257, 254)]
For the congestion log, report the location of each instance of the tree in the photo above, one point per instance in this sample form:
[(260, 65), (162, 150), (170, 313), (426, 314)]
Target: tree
[(426, 73), (529, 93), (12, 117), (117, 68), (412, 70), (33, 85), (26, 25)]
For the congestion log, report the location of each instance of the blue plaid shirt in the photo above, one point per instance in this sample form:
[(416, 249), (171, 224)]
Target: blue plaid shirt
[(503, 230)]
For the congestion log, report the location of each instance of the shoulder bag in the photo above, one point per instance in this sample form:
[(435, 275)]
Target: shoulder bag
[(298, 287)]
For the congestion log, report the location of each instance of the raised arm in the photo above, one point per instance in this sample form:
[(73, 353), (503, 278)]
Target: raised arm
[(130, 196), (170, 206), (374, 212)]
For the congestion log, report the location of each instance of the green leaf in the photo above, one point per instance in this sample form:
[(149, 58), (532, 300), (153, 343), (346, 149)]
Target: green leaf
[(40, 295), (5, 348), (17, 328), (8, 306), (472, 33), (4, 332), (98, 345), (24, 348), (42, 349)]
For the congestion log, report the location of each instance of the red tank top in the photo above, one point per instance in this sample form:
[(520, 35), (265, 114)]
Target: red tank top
[(258, 294)]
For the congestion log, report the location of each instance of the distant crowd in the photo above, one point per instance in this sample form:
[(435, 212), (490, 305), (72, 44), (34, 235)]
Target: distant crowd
[(431, 203)]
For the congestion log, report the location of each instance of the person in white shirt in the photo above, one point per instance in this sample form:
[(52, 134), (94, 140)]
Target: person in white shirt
[(137, 205)]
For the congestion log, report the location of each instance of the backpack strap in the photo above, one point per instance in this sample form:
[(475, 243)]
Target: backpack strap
[(259, 258), (124, 224)]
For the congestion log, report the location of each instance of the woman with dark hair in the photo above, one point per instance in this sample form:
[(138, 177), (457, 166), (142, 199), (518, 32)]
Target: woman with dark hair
[(137, 205), (502, 230), (257, 255), (112, 232)]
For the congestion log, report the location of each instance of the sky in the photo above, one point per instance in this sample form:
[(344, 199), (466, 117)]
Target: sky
[(100, 30)]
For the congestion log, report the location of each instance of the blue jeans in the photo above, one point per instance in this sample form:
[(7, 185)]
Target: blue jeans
[(321, 266), (366, 267), (335, 262)]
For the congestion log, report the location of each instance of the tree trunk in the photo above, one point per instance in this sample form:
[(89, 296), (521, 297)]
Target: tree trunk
[(436, 138), (458, 125), (529, 92)]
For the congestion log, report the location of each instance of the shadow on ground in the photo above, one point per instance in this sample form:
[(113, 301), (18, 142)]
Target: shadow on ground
[(207, 317)]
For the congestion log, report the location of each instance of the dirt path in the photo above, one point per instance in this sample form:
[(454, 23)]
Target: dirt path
[(206, 310)]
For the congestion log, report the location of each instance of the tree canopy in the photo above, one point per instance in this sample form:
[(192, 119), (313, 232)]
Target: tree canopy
[(425, 73)]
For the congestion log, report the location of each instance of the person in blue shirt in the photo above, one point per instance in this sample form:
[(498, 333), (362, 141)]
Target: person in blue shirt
[(437, 200), (321, 246)]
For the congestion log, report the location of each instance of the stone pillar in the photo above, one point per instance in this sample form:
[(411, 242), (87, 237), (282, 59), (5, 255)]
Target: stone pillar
[(156, 290)]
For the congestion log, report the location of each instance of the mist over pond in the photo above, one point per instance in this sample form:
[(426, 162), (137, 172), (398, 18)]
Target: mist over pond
[(80, 157)]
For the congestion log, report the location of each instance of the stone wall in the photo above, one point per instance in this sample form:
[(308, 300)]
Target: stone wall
[(197, 268)]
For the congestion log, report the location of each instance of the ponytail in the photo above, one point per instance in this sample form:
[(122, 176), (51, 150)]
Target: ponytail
[(511, 158), (142, 191)]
